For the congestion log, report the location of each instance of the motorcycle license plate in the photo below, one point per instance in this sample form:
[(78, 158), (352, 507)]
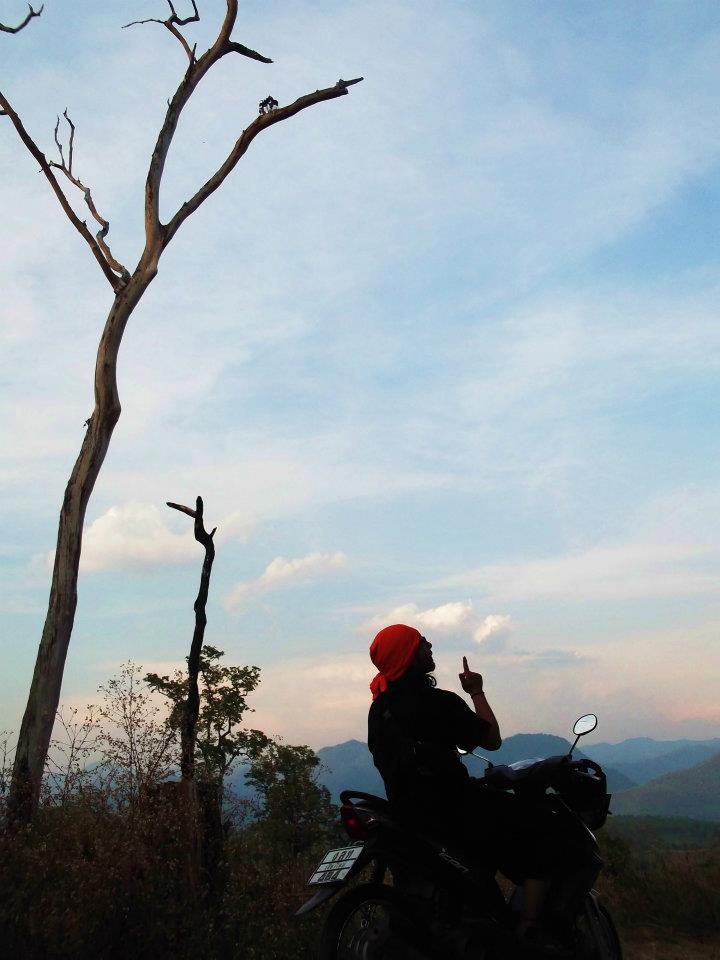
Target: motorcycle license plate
[(336, 865)]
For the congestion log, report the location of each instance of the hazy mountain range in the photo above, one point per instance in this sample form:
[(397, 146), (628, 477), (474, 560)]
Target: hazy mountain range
[(669, 778), (349, 764), (643, 759), (693, 792)]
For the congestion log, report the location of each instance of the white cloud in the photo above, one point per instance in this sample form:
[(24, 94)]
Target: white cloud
[(136, 534), (281, 571), (140, 535), (446, 617), (494, 625)]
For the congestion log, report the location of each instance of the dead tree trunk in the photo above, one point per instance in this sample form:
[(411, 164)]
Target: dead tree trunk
[(190, 821), (191, 709), (37, 723)]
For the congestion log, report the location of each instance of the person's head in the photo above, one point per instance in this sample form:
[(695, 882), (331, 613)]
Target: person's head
[(423, 656), (397, 650)]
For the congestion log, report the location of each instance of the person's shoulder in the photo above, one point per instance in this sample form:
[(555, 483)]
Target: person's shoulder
[(376, 706), (446, 697)]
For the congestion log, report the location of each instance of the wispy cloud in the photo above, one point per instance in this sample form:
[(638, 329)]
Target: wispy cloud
[(282, 571), (622, 571)]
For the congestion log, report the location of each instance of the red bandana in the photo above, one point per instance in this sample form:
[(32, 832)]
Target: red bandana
[(392, 651)]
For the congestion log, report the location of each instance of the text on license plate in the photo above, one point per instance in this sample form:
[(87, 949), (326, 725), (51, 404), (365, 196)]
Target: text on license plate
[(336, 865)]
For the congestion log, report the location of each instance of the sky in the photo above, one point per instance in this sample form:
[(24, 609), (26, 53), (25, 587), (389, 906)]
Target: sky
[(444, 351)]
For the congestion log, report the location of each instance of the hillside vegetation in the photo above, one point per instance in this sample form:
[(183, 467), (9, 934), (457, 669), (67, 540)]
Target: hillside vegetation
[(665, 833), (694, 793)]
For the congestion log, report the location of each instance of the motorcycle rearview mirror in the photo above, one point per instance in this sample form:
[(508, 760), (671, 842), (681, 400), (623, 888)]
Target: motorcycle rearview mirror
[(471, 753), (583, 725)]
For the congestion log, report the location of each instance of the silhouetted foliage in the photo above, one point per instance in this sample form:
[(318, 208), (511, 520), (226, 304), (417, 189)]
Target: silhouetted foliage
[(221, 740), (296, 810), (99, 874)]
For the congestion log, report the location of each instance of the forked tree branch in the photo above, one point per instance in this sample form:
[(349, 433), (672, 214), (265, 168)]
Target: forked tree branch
[(262, 122), (117, 283), (66, 168), (223, 45), (172, 23), (21, 26), (158, 234)]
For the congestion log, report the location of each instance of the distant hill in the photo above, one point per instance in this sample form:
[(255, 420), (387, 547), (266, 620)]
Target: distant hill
[(523, 746), (694, 792), (680, 758), (349, 765), (640, 749)]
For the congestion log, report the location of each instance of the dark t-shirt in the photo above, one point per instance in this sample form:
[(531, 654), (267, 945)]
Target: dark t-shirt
[(413, 732)]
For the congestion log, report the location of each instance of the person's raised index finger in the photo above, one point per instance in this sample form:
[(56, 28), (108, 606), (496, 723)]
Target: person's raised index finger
[(465, 665)]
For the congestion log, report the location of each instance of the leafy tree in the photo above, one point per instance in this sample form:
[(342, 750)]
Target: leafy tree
[(137, 746), (68, 770), (296, 810), (221, 739)]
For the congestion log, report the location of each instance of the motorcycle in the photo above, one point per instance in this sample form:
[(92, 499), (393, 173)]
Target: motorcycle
[(440, 903)]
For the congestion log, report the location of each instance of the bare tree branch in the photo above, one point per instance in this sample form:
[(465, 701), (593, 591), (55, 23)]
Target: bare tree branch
[(172, 23), (178, 506), (117, 283), (21, 26), (232, 47), (66, 168), (260, 123), (154, 231)]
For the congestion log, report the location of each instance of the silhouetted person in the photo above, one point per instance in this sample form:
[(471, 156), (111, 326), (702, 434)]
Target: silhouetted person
[(414, 730)]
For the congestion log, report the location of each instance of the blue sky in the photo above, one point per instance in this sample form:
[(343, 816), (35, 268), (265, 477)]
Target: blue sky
[(445, 350)]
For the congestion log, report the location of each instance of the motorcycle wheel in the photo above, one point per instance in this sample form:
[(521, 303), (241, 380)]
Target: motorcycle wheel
[(371, 922)]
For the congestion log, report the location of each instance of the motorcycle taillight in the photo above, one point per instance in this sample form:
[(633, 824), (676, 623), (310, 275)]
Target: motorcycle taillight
[(355, 828)]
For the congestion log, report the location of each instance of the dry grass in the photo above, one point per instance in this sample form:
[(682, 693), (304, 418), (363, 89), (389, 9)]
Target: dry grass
[(90, 882), (666, 903), (645, 945)]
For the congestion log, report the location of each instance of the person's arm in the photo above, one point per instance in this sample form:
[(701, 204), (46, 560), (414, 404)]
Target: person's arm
[(472, 684)]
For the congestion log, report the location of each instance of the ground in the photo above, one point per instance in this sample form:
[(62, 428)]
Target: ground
[(645, 945)]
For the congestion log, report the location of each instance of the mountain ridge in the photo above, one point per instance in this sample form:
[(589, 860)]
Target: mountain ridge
[(349, 765), (693, 792)]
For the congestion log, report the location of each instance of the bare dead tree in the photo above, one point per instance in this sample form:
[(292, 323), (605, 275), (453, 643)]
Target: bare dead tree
[(128, 287), (189, 798), (188, 723)]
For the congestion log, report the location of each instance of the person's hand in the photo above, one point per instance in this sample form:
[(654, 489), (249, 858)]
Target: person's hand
[(471, 682)]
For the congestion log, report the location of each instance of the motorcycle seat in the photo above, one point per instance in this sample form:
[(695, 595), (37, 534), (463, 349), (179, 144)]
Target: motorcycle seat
[(366, 801)]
